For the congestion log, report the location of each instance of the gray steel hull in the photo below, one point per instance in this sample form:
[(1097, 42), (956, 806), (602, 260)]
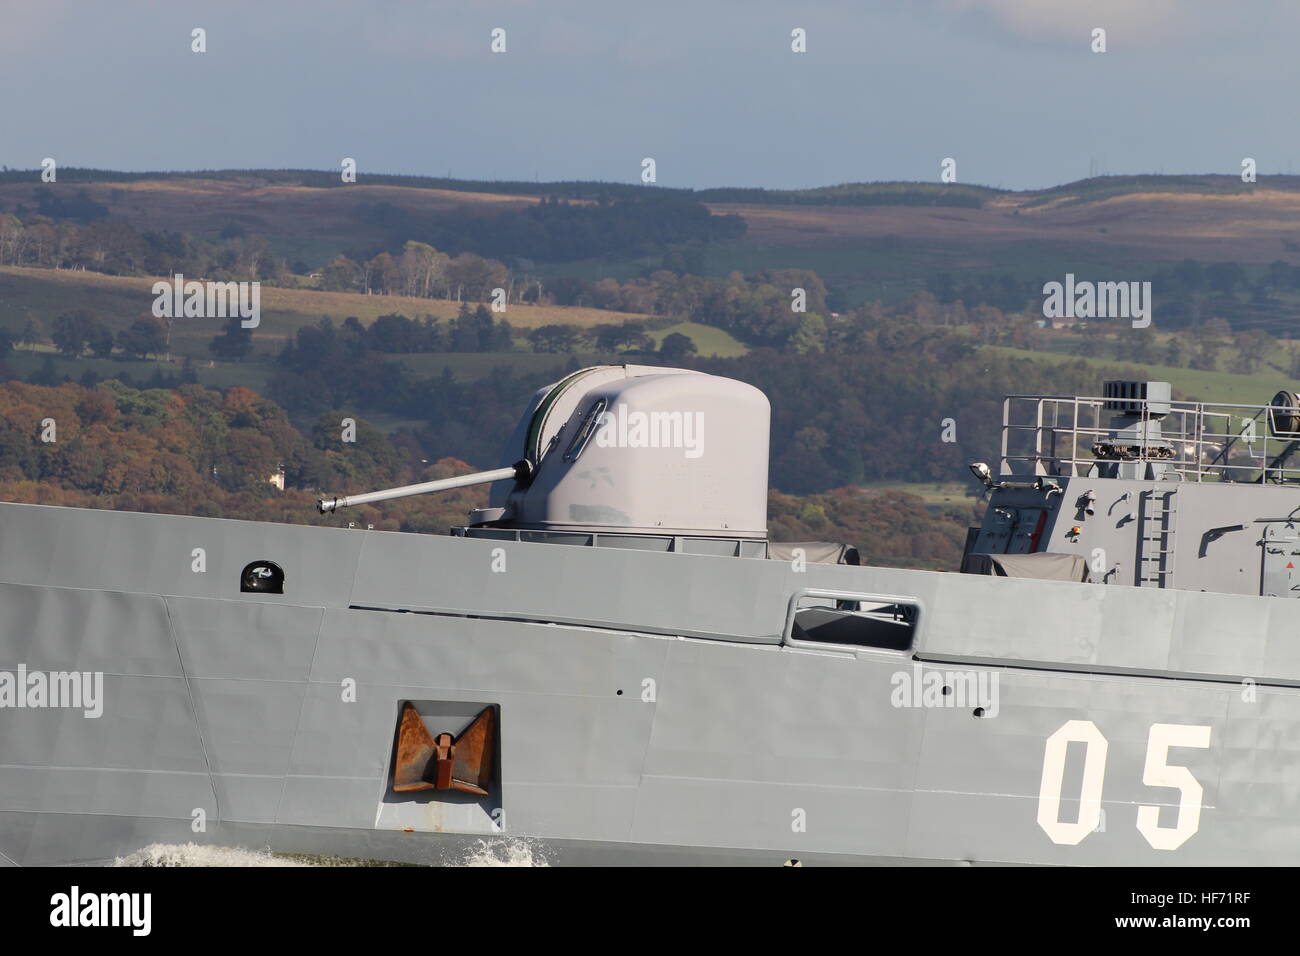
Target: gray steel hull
[(54, 835), (650, 711)]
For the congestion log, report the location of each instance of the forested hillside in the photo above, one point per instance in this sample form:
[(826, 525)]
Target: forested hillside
[(884, 321), (192, 450)]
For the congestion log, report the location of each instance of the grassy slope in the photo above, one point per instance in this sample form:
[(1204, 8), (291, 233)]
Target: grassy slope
[(1204, 386), (47, 292), (708, 340), (933, 493), (118, 300), (254, 375)]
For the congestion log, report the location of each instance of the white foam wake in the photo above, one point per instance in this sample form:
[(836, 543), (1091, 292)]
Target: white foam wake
[(504, 852), (192, 854), (510, 852)]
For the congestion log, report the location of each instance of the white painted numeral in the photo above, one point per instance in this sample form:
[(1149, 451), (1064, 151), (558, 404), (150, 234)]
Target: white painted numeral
[(1157, 773), (1094, 772)]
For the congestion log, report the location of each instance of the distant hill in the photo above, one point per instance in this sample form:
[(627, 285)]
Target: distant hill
[(859, 193), (866, 240), (879, 193)]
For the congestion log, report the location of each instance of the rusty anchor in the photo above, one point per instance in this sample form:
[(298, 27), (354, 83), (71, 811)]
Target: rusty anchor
[(444, 762)]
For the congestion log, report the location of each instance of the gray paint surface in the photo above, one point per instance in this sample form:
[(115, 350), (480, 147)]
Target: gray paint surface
[(233, 703)]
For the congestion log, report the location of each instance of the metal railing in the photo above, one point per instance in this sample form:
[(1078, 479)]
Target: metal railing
[(1199, 441)]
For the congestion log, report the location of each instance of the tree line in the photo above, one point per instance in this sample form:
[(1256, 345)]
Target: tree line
[(861, 399), (325, 365), (558, 230), (36, 238), (79, 331), (868, 407), (191, 450)]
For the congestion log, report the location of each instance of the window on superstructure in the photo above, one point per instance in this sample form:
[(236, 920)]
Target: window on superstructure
[(818, 618)]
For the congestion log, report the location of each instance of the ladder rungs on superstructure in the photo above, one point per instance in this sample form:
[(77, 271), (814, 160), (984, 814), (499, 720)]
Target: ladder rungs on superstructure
[(1159, 514)]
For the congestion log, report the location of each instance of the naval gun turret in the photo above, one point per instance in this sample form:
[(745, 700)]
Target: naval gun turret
[(626, 456)]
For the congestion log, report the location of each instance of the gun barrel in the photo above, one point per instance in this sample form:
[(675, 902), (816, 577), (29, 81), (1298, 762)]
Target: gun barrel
[(519, 470)]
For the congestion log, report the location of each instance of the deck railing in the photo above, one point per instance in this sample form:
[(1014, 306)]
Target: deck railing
[(1199, 441)]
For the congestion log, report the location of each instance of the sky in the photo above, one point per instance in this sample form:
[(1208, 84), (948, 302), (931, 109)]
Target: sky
[(710, 89)]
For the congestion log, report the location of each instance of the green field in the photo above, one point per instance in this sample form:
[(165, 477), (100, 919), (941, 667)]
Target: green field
[(255, 374), (43, 294), (468, 366), (465, 366), (886, 269), (252, 375), (709, 342), (934, 493), (119, 300), (1194, 384)]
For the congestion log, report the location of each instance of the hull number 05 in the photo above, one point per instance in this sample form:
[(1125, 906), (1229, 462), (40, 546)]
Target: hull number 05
[(1157, 773)]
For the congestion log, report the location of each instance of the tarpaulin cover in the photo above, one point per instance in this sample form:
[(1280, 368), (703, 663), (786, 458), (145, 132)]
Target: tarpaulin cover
[(1044, 566), (814, 552)]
